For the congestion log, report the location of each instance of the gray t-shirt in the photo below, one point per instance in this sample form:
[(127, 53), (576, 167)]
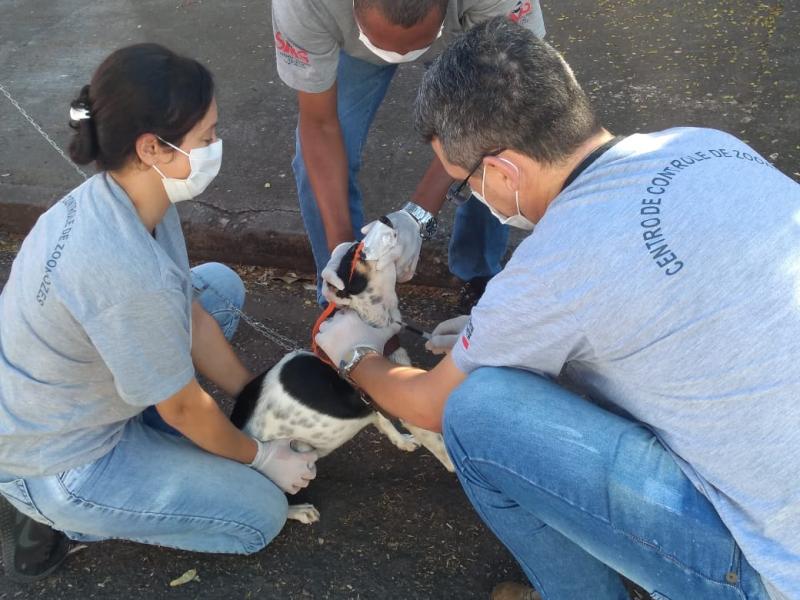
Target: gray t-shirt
[(95, 325), (309, 34), (665, 280)]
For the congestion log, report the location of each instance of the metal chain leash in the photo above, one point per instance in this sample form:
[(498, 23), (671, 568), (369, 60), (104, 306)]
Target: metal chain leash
[(276, 338), (41, 131)]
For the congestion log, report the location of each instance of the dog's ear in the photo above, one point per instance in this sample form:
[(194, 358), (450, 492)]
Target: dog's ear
[(355, 279)]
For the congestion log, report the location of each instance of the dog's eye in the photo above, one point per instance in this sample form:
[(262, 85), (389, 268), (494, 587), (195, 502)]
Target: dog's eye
[(355, 284)]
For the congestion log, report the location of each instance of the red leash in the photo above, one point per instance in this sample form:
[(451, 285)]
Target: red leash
[(331, 308)]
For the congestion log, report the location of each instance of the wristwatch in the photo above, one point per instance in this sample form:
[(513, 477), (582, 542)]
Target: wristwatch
[(426, 221), (351, 359)]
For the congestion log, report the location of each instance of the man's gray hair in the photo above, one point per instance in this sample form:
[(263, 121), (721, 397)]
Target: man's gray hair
[(499, 86), (405, 13)]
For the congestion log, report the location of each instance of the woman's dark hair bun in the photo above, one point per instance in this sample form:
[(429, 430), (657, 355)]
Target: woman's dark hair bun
[(83, 147), (144, 88)]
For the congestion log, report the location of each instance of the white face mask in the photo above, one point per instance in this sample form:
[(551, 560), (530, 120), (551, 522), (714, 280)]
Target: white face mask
[(518, 220), (204, 162), (394, 57)]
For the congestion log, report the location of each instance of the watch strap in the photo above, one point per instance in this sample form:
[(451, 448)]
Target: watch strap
[(352, 359), (425, 219)]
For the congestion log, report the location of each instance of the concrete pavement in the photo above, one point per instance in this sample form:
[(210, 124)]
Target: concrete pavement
[(647, 65)]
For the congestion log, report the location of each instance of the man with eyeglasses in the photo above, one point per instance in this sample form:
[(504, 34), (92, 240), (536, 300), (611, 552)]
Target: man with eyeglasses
[(340, 56), (623, 399)]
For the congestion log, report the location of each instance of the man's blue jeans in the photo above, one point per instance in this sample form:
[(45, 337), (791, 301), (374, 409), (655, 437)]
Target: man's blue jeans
[(579, 494), (159, 488), (478, 241)]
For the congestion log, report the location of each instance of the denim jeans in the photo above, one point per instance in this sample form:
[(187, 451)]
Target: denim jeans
[(158, 488), (580, 495), (478, 241)]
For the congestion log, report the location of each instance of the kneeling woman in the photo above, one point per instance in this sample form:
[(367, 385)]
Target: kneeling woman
[(104, 430)]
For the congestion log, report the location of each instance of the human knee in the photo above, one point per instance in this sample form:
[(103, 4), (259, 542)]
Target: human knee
[(268, 519), (468, 409), (489, 406), (228, 282)]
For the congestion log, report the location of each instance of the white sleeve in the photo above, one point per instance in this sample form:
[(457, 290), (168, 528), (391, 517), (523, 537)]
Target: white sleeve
[(146, 344), (520, 323), (527, 13), (307, 52)]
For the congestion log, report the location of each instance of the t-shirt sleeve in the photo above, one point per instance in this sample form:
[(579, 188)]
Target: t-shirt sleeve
[(527, 13), (520, 323), (306, 50), (146, 343)]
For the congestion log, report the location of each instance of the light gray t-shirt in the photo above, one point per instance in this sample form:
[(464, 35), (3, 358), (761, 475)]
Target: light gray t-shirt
[(95, 325), (309, 34), (665, 280)]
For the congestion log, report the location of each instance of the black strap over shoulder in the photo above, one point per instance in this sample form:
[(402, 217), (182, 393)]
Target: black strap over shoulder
[(593, 156)]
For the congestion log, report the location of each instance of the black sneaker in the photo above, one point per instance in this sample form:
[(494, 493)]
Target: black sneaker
[(470, 293), (31, 550)]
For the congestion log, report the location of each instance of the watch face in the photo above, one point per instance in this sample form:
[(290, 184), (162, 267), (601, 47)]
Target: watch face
[(347, 358)]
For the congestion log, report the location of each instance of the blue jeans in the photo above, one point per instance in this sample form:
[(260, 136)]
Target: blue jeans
[(478, 242), (579, 494), (158, 488)]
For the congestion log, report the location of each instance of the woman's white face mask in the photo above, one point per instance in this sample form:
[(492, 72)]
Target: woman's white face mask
[(518, 220), (204, 163)]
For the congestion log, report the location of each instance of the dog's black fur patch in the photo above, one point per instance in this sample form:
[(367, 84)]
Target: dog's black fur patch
[(318, 386), (352, 285), (246, 401)]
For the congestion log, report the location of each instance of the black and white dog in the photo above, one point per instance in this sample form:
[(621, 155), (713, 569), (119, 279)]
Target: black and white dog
[(304, 399)]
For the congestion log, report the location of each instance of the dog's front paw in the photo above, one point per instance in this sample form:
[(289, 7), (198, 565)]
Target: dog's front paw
[(406, 441), (305, 513)]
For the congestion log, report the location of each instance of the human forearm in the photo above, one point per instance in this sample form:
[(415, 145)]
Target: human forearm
[(194, 413), (213, 356), (412, 394), (432, 188), (325, 161)]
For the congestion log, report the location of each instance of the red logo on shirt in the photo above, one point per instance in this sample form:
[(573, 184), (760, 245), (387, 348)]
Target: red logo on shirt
[(522, 10), (291, 53), (465, 337)]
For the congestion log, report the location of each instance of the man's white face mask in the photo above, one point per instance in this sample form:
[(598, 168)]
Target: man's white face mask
[(392, 57), (518, 220), (204, 162)]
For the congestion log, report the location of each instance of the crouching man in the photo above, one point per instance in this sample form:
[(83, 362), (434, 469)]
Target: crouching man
[(661, 284)]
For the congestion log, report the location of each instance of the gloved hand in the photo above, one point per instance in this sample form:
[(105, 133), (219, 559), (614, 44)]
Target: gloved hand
[(445, 335), (345, 330), (328, 274), (288, 469), (403, 251)]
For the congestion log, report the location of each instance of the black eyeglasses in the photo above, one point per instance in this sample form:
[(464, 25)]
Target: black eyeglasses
[(459, 193)]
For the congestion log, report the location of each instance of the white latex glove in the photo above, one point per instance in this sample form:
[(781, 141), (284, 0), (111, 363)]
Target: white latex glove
[(288, 469), (345, 330), (328, 274), (445, 335), (400, 245)]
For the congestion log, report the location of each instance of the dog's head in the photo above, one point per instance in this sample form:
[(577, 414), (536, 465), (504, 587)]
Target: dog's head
[(369, 289)]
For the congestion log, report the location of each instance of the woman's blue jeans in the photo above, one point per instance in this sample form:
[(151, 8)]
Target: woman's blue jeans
[(158, 488), (580, 495), (478, 242)]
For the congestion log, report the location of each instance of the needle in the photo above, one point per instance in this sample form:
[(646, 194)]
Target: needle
[(416, 330)]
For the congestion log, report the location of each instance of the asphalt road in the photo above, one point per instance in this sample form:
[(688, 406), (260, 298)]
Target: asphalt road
[(394, 525)]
